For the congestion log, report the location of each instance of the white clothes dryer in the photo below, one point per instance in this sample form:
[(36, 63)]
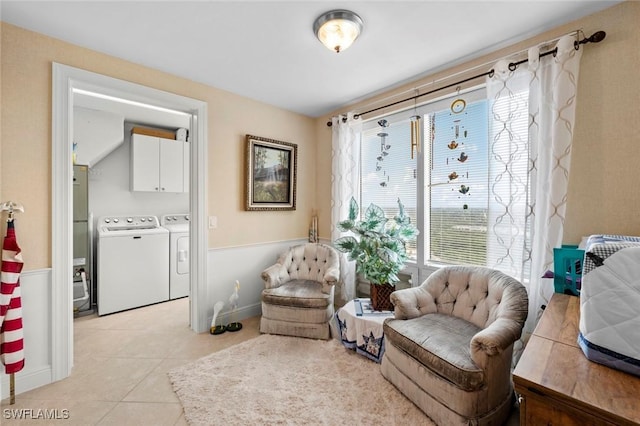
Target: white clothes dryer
[(132, 263), (178, 226)]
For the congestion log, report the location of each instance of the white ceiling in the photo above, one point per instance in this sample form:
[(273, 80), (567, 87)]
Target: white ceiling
[(266, 50)]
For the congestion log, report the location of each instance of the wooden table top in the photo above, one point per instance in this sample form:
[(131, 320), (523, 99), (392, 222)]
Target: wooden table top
[(561, 320), (554, 364)]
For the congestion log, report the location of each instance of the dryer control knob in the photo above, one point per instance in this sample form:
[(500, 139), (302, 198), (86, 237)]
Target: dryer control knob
[(107, 220), (186, 217), (150, 219), (129, 220), (116, 220), (143, 219)]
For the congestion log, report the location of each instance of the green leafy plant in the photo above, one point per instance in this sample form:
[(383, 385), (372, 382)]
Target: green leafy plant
[(380, 246)]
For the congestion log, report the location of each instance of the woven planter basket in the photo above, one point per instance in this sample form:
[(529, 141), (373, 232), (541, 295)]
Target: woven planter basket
[(380, 296)]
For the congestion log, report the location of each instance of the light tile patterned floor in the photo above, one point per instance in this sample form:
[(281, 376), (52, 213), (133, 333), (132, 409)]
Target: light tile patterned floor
[(120, 365)]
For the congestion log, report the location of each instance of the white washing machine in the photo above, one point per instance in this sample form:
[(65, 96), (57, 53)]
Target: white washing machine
[(132, 263), (178, 226)]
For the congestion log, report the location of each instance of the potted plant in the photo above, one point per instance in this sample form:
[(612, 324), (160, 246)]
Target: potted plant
[(379, 249)]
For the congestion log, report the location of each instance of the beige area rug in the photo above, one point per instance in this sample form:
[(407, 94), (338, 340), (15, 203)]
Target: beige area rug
[(290, 381)]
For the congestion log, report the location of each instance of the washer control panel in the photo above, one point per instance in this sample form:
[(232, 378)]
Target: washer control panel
[(175, 219), (116, 223)]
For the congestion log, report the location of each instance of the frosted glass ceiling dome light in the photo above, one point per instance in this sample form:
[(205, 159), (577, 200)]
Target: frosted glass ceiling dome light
[(338, 29)]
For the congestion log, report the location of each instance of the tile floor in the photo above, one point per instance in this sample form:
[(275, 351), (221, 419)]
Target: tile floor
[(120, 365)]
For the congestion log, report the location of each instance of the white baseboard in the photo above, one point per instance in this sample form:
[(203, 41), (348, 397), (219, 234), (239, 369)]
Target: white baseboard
[(27, 380), (239, 314)]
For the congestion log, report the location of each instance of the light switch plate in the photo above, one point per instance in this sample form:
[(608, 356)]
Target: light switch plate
[(213, 222)]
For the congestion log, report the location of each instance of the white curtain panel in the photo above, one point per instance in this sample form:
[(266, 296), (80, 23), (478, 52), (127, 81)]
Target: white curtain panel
[(527, 216), (507, 92), (345, 183)]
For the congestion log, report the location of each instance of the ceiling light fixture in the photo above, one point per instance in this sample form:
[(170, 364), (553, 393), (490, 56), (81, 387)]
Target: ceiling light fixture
[(337, 29)]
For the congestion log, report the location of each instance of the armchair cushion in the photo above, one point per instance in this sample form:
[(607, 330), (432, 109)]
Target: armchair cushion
[(297, 293), (440, 342)]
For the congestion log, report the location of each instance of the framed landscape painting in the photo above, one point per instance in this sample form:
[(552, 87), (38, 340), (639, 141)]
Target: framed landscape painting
[(271, 174)]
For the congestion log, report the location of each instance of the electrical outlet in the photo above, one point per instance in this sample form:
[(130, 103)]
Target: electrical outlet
[(213, 222)]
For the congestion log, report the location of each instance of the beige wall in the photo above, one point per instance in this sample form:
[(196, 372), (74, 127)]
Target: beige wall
[(25, 143), (604, 187)]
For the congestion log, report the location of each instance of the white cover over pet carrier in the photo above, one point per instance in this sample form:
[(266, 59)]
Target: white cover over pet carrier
[(610, 302)]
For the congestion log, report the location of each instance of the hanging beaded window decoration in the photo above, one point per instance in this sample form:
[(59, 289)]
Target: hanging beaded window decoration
[(384, 152), (459, 157)]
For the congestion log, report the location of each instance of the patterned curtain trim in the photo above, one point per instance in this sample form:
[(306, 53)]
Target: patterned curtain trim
[(345, 163)]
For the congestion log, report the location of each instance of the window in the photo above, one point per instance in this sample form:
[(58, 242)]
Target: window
[(388, 172), (456, 184), (445, 188)]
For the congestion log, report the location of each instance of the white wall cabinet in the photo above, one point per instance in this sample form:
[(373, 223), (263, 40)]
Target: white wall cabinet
[(158, 164)]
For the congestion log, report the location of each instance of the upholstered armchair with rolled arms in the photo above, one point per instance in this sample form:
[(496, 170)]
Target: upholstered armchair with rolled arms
[(298, 296), (449, 347)]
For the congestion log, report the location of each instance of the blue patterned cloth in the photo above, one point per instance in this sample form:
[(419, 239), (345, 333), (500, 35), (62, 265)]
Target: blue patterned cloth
[(362, 333)]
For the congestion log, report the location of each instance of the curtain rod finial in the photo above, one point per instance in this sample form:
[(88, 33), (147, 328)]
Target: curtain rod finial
[(596, 37)]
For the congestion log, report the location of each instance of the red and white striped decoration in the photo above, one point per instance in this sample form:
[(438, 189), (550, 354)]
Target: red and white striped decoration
[(11, 333)]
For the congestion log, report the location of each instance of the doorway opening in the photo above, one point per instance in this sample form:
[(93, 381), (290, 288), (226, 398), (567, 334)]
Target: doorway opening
[(65, 80)]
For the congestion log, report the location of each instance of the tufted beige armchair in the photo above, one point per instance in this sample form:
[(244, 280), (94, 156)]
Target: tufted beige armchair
[(449, 347), (298, 295)]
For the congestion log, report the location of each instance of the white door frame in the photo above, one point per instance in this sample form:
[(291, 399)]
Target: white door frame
[(65, 79)]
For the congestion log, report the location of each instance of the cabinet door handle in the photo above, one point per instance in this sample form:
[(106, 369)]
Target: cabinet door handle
[(157, 188), (163, 189)]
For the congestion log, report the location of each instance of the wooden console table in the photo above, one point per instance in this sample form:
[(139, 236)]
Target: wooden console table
[(558, 385)]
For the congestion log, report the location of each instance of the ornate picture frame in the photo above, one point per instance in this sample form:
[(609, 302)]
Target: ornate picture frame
[(271, 174)]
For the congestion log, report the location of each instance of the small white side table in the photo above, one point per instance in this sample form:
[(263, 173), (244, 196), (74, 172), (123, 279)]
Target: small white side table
[(361, 329)]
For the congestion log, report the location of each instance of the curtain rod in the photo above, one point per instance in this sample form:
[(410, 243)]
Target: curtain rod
[(596, 37)]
